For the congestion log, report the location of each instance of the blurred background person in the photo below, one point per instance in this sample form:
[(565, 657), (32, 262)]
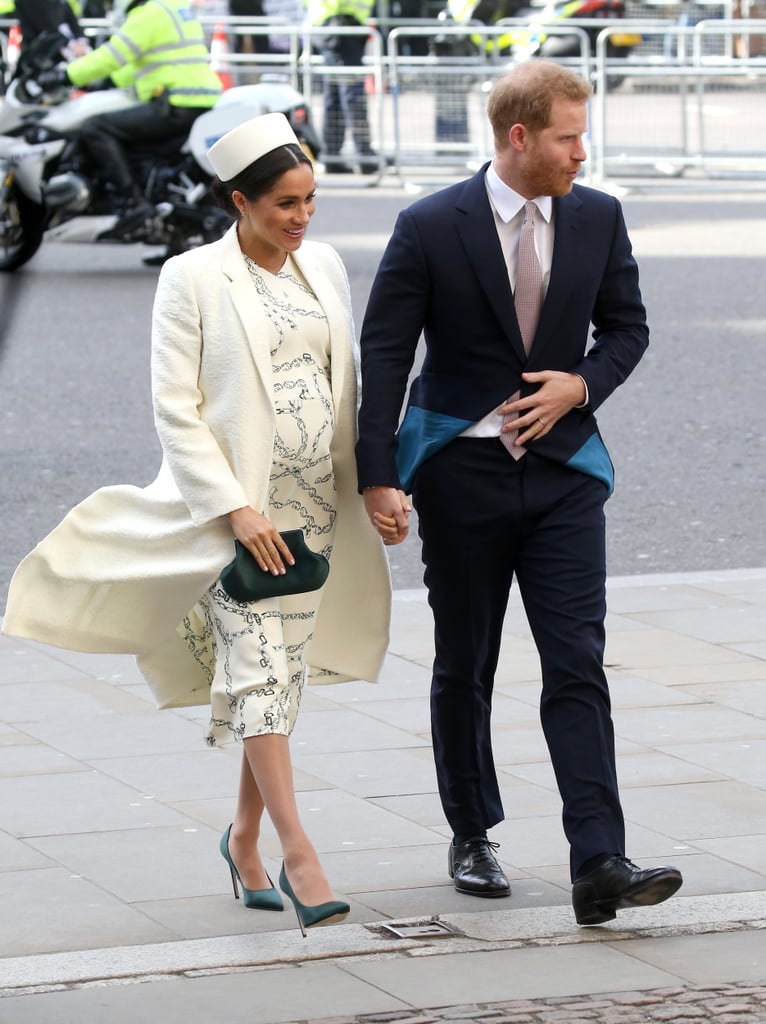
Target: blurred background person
[(345, 103), (160, 50)]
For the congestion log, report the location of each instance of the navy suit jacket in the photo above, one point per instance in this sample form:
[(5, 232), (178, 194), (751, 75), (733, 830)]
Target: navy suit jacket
[(443, 274)]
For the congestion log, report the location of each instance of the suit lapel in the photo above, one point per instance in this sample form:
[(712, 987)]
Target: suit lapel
[(478, 234), (568, 228)]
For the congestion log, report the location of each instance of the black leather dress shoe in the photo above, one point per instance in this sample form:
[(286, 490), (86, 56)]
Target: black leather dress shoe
[(617, 884), (476, 872)]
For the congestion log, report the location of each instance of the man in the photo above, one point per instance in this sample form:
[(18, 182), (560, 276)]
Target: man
[(345, 103), (160, 50), (504, 273)]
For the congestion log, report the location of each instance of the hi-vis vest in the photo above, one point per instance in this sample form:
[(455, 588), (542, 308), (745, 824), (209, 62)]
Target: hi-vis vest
[(159, 49), (462, 11), (321, 10)]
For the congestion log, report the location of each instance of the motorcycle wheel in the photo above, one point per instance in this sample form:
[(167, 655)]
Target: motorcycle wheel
[(21, 229)]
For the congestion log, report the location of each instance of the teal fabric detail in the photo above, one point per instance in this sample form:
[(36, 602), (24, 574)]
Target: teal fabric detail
[(421, 434), (593, 458)]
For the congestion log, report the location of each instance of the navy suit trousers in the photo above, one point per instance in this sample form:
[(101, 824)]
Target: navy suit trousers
[(483, 519)]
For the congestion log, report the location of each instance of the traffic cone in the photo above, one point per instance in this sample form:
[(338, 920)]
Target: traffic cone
[(14, 47), (219, 52)]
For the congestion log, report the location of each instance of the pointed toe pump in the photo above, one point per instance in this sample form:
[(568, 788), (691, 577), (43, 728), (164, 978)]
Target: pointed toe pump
[(254, 899), (311, 917)]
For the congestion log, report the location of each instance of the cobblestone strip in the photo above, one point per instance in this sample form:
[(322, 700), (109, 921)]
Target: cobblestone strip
[(724, 1004)]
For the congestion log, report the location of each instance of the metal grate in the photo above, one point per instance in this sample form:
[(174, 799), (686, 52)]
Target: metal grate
[(429, 930)]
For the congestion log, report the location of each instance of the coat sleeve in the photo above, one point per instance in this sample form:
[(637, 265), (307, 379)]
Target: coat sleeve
[(199, 467), (619, 320), (392, 325)]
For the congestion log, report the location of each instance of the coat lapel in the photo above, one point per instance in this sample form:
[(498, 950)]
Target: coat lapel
[(478, 234), (242, 293)]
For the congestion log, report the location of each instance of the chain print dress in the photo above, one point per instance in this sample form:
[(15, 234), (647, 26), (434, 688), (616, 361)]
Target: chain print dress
[(259, 668)]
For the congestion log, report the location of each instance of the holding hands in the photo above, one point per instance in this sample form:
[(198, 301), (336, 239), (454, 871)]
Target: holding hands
[(388, 509)]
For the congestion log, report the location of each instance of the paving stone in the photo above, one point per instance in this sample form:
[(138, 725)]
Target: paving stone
[(621, 1015), (383, 1018), (638, 998), (516, 1005), (727, 1006)]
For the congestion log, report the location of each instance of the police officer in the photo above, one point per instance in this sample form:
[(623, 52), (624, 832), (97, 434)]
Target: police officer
[(345, 104), (489, 12), (160, 50), (451, 92)]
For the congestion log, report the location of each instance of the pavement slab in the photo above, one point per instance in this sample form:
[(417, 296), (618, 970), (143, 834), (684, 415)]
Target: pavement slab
[(117, 906)]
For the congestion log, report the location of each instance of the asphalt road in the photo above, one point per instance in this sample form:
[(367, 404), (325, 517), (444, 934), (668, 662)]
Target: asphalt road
[(686, 432)]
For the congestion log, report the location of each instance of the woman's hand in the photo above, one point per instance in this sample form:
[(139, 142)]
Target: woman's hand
[(261, 538), (388, 509)]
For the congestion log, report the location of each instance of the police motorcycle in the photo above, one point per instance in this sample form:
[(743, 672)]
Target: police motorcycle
[(533, 41), (526, 36), (49, 191)]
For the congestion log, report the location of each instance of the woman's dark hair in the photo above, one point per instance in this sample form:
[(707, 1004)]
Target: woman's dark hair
[(259, 177)]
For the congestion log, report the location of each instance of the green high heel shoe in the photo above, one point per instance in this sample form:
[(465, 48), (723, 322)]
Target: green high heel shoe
[(310, 917), (254, 899)]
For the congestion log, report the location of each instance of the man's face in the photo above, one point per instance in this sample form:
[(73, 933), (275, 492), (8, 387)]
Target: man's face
[(552, 157)]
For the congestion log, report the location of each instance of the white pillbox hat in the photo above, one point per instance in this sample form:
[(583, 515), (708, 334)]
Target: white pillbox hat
[(248, 142)]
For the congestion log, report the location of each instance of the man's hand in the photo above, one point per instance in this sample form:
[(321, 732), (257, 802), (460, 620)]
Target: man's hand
[(261, 538), (55, 78), (388, 509), (558, 394)]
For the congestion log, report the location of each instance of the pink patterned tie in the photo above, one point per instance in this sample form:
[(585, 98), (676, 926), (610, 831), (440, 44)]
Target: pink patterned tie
[(528, 300)]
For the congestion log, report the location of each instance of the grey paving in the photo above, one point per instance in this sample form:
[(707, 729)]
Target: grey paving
[(116, 904)]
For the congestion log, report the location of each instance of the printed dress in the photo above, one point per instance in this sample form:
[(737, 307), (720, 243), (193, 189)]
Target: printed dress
[(259, 669)]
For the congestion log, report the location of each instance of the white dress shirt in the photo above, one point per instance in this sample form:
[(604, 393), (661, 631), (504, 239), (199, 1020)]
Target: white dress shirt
[(508, 210)]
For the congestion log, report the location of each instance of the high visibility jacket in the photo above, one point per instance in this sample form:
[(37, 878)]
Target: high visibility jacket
[(7, 8), (488, 12), (321, 10), (159, 49)]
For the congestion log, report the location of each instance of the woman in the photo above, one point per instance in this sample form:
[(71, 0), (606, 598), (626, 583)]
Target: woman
[(254, 388)]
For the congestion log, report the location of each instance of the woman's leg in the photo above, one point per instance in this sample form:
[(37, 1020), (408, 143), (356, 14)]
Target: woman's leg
[(246, 830), (271, 770)]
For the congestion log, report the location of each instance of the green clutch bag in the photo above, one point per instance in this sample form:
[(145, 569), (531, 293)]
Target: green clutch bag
[(244, 580)]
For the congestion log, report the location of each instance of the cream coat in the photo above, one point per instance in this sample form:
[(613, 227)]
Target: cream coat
[(127, 565)]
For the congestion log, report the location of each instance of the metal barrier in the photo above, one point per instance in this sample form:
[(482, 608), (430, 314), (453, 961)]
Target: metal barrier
[(680, 102), (689, 100), (300, 63), (702, 111), (438, 100)]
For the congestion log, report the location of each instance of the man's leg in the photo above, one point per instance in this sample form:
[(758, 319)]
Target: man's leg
[(561, 569), (561, 573), (107, 137), (334, 122), (352, 94), (104, 138), (464, 495)]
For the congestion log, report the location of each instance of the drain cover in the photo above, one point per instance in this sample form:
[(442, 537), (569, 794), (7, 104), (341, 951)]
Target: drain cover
[(430, 930)]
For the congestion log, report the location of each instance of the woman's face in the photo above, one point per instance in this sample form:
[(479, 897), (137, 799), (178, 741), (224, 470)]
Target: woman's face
[(275, 223)]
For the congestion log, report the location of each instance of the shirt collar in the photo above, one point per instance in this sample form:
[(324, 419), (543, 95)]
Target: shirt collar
[(508, 203)]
